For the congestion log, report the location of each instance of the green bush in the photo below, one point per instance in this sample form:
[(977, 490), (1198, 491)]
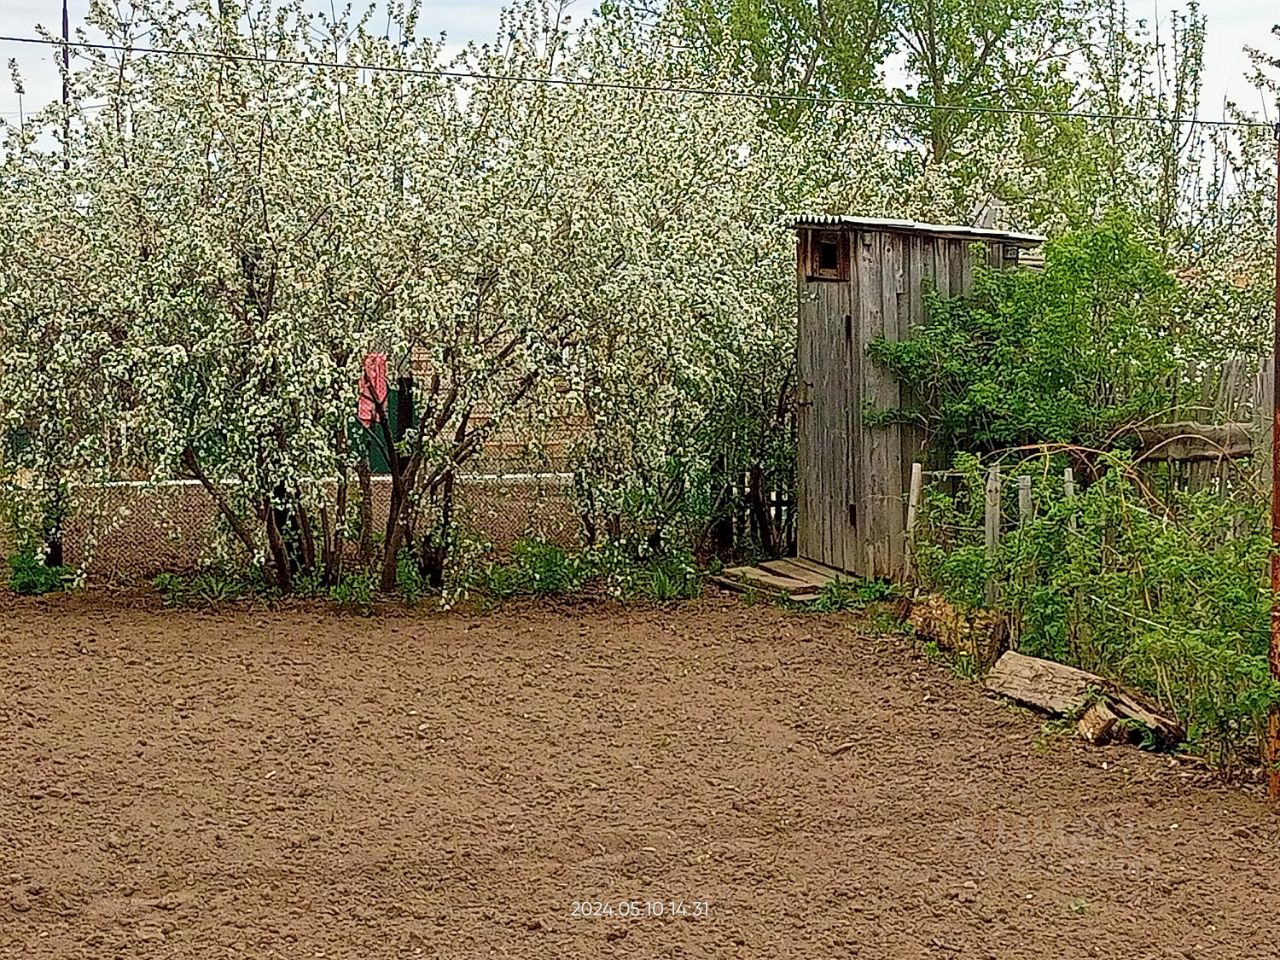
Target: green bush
[(1063, 355), (536, 568), (29, 575), (668, 578), (840, 594), (544, 569), (207, 588), (549, 568), (410, 581), (1173, 599), (502, 580), (355, 592)]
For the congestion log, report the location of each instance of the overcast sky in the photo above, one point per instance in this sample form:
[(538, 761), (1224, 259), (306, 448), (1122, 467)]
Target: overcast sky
[(1231, 25)]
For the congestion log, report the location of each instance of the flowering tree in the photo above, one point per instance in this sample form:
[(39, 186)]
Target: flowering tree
[(209, 252), (198, 252)]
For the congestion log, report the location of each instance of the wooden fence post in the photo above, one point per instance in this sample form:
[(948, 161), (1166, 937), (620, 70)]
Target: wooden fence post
[(913, 507), (1069, 494), (1024, 498), (991, 514), (991, 522)]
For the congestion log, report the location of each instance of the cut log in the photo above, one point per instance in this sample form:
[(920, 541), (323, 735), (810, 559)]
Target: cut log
[(1067, 691), (1097, 723), (1131, 706), (1194, 441), (981, 634), (1048, 686)]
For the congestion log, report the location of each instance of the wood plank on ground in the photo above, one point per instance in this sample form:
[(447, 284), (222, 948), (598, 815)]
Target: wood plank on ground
[(1067, 691), (787, 568), (734, 584), (1052, 687), (743, 586), (756, 577), (820, 568)]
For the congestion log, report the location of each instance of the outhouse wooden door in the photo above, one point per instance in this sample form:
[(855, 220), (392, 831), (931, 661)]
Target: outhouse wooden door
[(861, 281), (826, 424)]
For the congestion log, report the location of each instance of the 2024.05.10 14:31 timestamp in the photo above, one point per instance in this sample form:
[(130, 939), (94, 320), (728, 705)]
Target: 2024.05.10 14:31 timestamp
[(625, 909)]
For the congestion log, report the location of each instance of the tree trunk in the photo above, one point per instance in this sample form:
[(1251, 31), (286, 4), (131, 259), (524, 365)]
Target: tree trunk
[(54, 556), (287, 526), (306, 541), (759, 507), (234, 520), (279, 555), (335, 542), (435, 555), (365, 479), (404, 406), (722, 498), (394, 538)]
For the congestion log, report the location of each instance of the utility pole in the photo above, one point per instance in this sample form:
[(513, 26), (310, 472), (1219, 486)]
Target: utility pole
[(1273, 658), (66, 88)]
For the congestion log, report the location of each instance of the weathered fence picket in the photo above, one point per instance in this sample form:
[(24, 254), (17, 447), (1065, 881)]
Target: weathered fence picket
[(991, 523), (913, 508), (1024, 498)]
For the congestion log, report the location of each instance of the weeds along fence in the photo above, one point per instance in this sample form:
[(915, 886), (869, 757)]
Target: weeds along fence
[(1164, 589), (132, 530)]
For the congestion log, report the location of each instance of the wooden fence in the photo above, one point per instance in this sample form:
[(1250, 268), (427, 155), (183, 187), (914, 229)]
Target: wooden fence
[(1215, 433), (997, 521)]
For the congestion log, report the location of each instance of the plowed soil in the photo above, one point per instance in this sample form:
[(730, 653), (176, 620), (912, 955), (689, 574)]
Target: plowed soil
[(294, 783)]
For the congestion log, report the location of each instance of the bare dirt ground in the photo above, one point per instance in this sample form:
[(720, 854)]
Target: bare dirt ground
[(257, 783)]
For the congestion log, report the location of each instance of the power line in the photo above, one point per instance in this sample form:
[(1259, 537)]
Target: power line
[(34, 113), (618, 85)]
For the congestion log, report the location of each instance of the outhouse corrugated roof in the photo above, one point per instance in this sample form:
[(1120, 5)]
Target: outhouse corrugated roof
[(954, 231)]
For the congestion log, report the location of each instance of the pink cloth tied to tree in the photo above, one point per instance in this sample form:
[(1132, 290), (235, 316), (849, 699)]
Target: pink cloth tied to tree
[(373, 388)]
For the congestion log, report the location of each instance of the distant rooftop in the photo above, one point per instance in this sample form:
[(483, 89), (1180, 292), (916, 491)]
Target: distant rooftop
[(911, 226)]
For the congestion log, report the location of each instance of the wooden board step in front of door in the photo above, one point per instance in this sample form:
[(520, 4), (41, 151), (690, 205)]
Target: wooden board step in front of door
[(801, 580)]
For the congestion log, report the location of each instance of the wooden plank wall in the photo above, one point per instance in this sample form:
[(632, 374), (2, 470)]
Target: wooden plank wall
[(843, 462), (875, 277), (825, 422)]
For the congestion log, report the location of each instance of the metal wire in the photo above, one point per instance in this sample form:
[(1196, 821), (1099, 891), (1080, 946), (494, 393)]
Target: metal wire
[(616, 85)]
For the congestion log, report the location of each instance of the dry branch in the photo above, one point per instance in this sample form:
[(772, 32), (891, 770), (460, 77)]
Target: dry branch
[(1189, 442)]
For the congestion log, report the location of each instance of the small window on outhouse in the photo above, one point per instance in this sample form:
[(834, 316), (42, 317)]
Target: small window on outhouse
[(828, 255)]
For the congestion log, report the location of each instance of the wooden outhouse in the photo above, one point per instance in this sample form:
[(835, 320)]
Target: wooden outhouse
[(861, 279)]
